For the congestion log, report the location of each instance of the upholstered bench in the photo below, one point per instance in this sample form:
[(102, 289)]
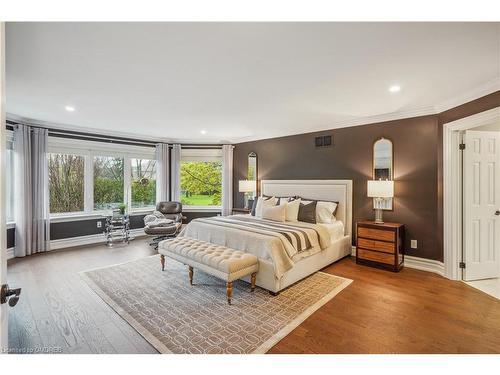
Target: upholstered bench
[(219, 261)]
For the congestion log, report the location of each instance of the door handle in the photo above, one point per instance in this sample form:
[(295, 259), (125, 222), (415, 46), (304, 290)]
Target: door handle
[(497, 212), (11, 295)]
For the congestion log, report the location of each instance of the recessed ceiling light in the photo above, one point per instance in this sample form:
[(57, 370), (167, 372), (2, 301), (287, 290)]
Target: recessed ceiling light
[(395, 88), (69, 108), (203, 132)]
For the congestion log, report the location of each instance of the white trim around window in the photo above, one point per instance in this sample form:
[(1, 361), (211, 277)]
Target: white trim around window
[(201, 155), (89, 150)]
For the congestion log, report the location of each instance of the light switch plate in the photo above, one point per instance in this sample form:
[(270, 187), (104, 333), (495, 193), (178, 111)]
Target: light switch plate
[(413, 244)]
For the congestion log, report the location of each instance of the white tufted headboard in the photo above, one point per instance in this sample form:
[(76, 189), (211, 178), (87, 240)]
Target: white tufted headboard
[(328, 190)]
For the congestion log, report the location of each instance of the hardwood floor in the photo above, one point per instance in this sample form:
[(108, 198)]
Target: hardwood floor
[(380, 312)]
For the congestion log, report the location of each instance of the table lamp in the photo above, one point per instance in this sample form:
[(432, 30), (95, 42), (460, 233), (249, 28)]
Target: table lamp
[(380, 190), (247, 186)]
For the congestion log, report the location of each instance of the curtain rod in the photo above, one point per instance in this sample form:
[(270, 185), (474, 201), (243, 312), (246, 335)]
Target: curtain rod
[(72, 134)]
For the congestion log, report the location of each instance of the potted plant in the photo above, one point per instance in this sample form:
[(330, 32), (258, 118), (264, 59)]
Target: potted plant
[(122, 207)]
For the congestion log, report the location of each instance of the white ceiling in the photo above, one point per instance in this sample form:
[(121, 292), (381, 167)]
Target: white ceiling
[(241, 81)]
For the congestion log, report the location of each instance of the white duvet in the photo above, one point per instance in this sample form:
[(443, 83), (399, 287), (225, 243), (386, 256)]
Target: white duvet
[(263, 246)]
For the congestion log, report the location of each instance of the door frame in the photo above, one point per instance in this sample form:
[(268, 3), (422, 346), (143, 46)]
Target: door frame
[(4, 311), (452, 187)]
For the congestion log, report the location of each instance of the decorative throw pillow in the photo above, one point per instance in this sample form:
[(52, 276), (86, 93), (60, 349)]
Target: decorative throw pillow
[(264, 202), (291, 208), (275, 213), (307, 212), (257, 204), (283, 200), (325, 212)]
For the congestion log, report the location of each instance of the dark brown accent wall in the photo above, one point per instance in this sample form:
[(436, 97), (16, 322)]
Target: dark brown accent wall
[(418, 168), (350, 157)]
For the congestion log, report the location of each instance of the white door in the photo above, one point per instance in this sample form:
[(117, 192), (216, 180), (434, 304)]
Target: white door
[(3, 231), (481, 205)]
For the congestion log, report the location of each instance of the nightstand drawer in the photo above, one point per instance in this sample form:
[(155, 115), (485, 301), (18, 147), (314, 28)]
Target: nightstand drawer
[(375, 256), (377, 234), (386, 247)]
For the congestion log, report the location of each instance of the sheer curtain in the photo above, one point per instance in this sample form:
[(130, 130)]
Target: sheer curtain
[(162, 173), (176, 173), (227, 179), (31, 213)]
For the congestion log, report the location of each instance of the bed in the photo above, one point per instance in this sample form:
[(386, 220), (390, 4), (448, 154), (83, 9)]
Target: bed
[(289, 251)]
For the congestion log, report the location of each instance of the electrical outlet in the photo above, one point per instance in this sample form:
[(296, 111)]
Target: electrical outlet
[(413, 244), (99, 224)]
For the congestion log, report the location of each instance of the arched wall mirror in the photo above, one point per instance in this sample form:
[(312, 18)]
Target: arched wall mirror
[(383, 168), (252, 166), (252, 176)]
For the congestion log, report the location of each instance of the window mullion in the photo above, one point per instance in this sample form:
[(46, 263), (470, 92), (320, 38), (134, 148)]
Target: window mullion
[(89, 183), (127, 183)]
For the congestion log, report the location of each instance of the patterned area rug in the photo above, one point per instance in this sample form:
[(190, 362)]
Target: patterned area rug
[(176, 317)]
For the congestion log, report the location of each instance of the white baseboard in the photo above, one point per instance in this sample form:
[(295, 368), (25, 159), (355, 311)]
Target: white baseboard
[(88, 240), (423, 264), (418, 263), (81, 241)]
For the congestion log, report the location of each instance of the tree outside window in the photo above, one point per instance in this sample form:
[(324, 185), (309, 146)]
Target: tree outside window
[(108, 182), (66, 183), (201, 183), (143, 182)]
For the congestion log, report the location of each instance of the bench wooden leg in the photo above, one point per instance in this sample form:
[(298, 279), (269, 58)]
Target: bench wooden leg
[(162, 261), (252, 279), (229, 289), (190, 275)]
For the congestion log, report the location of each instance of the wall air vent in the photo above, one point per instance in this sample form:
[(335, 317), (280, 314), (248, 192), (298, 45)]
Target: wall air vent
[(323, 141)]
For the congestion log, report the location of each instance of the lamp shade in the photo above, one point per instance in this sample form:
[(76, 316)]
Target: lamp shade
[(380, 189), (247, 186)]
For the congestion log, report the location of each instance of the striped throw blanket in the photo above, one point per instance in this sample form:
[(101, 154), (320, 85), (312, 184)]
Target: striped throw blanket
[(296, 235)]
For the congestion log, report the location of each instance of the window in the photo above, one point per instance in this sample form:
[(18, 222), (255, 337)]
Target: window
[(143, 183), (66, 183), (201, 178), (93, 177), (108, 182), (9, 176)]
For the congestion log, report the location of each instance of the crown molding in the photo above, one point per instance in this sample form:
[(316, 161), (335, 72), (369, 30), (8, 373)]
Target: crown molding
[(83, 129), (358, 121), (476, 93), (103, 132)]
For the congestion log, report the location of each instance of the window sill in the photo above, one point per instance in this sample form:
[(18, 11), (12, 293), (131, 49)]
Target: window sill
[(62, 218), (201, 209)]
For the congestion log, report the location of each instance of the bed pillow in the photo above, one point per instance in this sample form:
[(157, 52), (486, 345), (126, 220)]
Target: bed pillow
[(325, 212), (291, 208), (257, 204), (274, 213), (307, 212), (263, 202)]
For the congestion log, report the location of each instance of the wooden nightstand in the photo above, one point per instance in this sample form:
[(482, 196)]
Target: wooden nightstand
[(240, 211), (380, 245)]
